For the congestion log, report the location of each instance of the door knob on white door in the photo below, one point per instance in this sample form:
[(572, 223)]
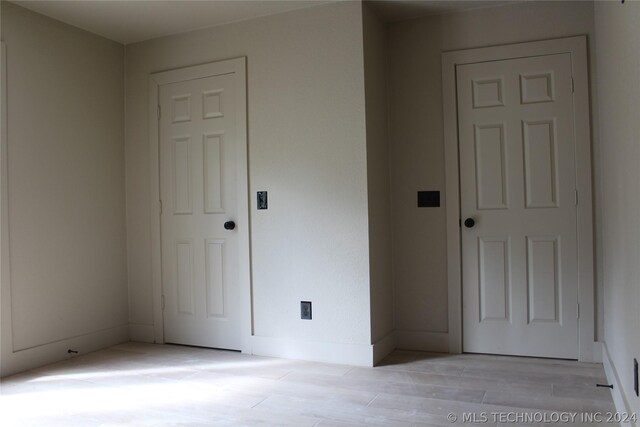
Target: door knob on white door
[(229, 225), (469, 222)]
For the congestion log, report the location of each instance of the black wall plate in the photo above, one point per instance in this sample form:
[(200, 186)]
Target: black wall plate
[(428, 199), (305, 310), (262, 200)]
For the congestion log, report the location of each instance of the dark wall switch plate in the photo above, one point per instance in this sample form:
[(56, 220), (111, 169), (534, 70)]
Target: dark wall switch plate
[(262, 200), (428, 199), (305, 310)]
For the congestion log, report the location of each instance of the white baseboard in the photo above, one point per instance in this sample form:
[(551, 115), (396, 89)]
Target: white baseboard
[(327, 352), (14, 362), (383, 347), (141, 333), (422, 341), (622, 406)]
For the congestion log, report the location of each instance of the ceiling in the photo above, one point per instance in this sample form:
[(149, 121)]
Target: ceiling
[(137, 20), (399, 10), (131, 21)]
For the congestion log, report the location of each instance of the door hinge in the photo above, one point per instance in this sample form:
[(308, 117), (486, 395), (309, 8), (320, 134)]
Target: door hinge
[(162, 302), (577, 311), (573, 86), (160, 207), (575, 192), (158, 112)]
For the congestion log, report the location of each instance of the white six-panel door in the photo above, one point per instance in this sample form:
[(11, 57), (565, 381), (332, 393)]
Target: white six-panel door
[(197, 133), (517, 182)]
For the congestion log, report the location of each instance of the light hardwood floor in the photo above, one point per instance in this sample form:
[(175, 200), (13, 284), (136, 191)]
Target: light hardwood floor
[(164, 385)]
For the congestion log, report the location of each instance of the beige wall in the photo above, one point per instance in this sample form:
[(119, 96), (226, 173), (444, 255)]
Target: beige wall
[(618, 58), (375, 78), (66, 191), (307, 148), (416, 140)]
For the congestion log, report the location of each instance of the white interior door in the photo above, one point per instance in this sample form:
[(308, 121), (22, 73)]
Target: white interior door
[(200, 271), (518, 183)]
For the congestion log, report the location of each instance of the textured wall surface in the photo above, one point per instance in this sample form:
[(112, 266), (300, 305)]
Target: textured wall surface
[(66, 187), (617, 41)]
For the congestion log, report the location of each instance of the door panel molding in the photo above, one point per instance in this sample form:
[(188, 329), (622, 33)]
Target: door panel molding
[(220, 68), (577, 48)]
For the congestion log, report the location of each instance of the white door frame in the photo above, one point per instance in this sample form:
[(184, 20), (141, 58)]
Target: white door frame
[(237, 66), (6, 330), (577, 47)]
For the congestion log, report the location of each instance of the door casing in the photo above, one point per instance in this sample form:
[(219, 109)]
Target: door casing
[(237, 66), (6, 328), (577, 47)]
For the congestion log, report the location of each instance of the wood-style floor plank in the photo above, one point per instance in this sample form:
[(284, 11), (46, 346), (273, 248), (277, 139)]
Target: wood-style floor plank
[(138, 384)]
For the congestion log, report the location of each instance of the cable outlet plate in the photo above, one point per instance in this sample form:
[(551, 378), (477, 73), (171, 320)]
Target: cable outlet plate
[(305, 310)]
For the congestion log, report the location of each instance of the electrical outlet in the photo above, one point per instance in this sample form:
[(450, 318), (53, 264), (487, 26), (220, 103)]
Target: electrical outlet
[(305, 310), (635, 376)]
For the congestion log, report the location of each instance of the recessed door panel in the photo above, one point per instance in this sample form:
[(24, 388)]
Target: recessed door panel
[(493, 257), (491, 180), (540, 163), (212, 103), (537, 87), (215, 277), (487, 93), (181, 108), (213, 174), (184, 269), (543, 281), (182, 186)]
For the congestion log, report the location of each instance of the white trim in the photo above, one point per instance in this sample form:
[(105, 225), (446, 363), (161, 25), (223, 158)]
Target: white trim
[(325, 352), (154, 200), (237, 66), (437, 342), (14, 362), (577, 47), (383, 347), (622, 406), (6, 329)]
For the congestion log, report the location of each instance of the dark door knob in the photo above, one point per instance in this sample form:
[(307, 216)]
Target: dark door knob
[(469, 222), (229, 225)]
